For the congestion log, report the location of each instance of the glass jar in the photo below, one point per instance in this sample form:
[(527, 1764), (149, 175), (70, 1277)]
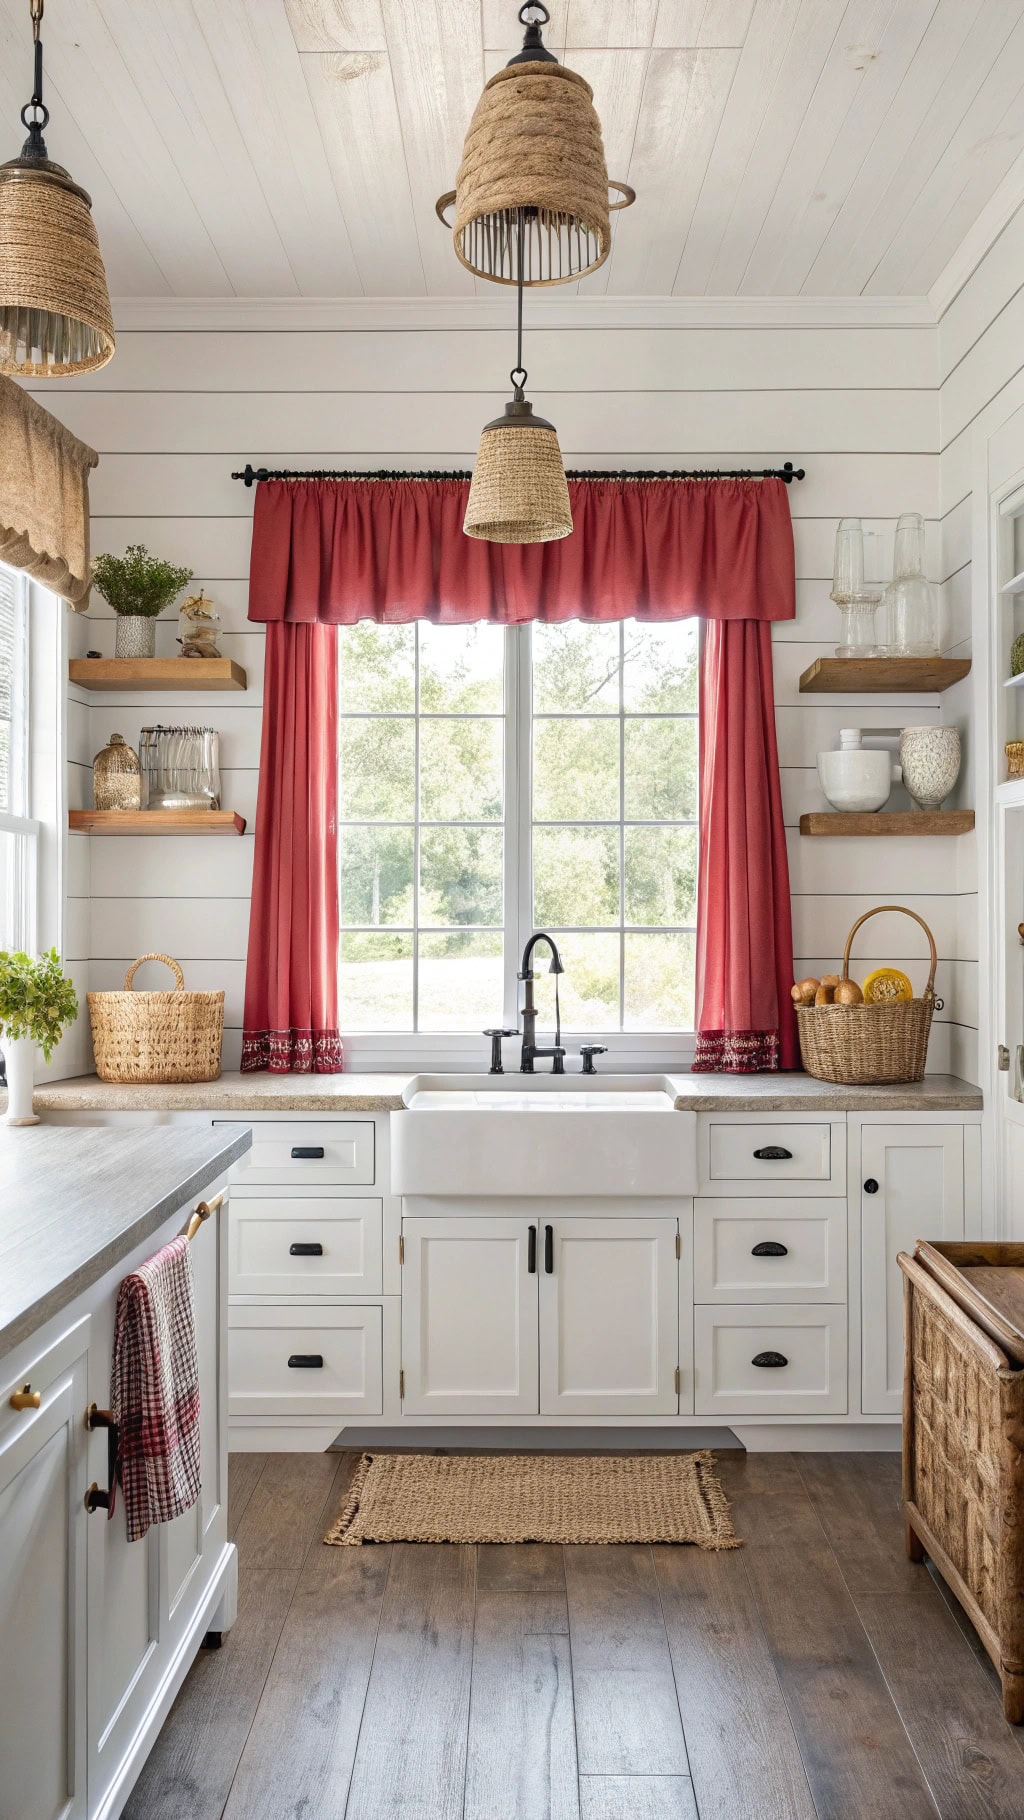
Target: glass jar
[(909, 603), (198, 620)]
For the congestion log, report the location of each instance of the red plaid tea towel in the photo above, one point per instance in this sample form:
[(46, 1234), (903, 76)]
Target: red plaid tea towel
[(154, 1391)]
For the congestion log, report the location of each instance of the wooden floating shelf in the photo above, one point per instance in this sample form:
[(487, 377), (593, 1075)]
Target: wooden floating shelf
[(892, 822), (155, 821), (123, 673), (883, 675)]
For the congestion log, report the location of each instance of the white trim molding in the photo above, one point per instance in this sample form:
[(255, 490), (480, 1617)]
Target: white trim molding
[(985, 230), (558, 308)]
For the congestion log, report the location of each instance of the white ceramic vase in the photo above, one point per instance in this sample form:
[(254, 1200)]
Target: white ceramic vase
[(20, 1063), (930, 757), (855, 779)]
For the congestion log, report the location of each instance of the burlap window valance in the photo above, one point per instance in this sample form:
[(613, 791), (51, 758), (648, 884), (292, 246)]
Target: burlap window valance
[(44, 496)]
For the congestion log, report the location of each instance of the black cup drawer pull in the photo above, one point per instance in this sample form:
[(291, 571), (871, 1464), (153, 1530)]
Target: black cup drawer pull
[(306, 1361), (773, 1153), (307, 1153), (302, 1249), (765, 1359), (770, 1248)]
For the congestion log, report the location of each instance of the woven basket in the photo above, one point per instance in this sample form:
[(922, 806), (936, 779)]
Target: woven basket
[(862, 1044), (157, 1036)]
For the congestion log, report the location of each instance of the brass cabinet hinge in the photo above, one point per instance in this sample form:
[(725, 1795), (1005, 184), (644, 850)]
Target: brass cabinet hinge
[(679, 1380), (679, 1244), (401, 1248)]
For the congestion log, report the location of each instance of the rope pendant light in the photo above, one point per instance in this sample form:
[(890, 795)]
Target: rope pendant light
[(518, 493), (534, 143), (55, 317)]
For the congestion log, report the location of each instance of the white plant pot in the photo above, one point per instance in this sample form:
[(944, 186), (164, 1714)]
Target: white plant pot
[(135, 635), (20, 1063)]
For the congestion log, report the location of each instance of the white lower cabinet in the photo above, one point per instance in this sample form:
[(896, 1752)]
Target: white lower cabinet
[(609, 1317), (293, 1359), (765, 1251), (771, 1361), (43, 1523), (98, 1632), (520, 1316), (912, 1187), (469, 1316)]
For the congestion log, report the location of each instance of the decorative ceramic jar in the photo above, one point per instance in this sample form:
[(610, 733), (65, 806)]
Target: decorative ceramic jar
[(135, 635), (855, 779), (20, 1066), (930, 758), (116, 776)]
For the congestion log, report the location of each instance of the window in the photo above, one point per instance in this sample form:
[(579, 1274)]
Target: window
[(18, 832), (496, 781)]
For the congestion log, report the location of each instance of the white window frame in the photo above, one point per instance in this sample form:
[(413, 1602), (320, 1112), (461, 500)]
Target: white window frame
[(21, 888), (628, 1050)]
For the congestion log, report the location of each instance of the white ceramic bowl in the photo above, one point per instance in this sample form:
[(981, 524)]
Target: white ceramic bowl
[(855, 781)]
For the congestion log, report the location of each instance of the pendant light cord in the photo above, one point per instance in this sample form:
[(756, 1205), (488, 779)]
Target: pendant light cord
[(518, 373), (35, 115)]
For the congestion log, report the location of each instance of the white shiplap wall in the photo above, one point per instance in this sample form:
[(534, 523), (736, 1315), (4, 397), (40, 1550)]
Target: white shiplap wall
[(981, 354), (855, 403)]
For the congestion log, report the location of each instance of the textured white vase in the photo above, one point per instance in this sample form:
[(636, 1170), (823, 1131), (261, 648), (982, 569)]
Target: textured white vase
[(930, 757), (20, 1063), (135, 635)]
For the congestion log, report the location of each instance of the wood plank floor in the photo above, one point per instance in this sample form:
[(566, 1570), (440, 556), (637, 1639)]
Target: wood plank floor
[(813, 1675)]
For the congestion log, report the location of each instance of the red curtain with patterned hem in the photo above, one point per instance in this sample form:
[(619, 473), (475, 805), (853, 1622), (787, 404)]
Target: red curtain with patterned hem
[(291, 977), (745, 1019)]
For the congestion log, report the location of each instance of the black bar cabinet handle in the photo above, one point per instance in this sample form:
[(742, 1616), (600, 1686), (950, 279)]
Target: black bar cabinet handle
[(770, 1248), (306, 1361), (773, 1153), (304, 1249), (769, 1358), (96, 1498), (549, 1250), (531, 1252), (307, 1153)]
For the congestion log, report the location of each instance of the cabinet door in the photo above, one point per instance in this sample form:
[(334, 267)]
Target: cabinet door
[(609, 1320), (469, 1317), (912, 1187), (43, 1589)]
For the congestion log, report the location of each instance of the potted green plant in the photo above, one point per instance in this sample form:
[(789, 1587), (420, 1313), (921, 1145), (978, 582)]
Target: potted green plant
[(37, 1002), (138, 586)]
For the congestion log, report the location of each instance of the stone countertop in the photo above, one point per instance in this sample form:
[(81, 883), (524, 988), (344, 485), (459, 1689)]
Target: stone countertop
[(75, 1200), (383, 1093)]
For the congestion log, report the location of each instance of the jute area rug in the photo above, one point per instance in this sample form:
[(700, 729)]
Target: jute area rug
[(408, 1497)]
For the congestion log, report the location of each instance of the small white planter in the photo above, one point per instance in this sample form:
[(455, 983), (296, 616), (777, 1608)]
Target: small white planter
[(20, 1062), (135, 635)]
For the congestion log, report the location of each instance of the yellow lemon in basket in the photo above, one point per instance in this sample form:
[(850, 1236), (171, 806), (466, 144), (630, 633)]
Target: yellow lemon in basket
[(887, 986)]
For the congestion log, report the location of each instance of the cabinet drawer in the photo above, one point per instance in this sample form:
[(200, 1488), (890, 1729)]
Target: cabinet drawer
[(795, 1158), (304, 1245), (308, 1152), (765, 1251), (811, 1341), (295, 1362)]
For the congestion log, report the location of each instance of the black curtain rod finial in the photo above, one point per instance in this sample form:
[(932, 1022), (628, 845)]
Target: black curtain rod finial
[(249, 474)]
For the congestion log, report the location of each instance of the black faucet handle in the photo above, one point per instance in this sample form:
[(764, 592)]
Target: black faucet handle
[(588, 1052), (497, 1066)]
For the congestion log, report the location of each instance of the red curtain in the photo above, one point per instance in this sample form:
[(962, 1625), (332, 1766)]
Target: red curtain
[(394, 551), (291, 977), (745, 1019)]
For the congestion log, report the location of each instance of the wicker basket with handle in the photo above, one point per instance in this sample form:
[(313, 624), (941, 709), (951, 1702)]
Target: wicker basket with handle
[(862, 1044), (152, 1037)]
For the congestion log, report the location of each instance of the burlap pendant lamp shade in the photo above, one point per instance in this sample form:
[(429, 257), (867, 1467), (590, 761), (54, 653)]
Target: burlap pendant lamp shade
[(518, 493), (534, 143), (55, 317)]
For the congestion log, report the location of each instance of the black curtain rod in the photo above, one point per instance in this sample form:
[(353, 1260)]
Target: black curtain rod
[(787, 472)]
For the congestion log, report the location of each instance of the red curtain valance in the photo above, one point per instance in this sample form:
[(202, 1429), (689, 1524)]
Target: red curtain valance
[(336, 551)]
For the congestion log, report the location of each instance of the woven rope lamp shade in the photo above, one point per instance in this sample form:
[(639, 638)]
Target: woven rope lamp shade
[(534, 144), (518, 492), (55, 317)]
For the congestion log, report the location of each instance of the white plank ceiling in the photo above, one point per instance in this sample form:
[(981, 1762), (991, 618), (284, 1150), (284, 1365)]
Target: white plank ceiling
[(274, 148)]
